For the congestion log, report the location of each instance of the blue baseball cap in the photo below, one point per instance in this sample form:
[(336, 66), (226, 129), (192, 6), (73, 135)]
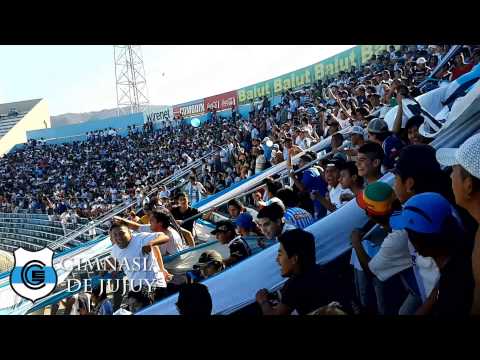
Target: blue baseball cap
[(424, 213), (245, 221)]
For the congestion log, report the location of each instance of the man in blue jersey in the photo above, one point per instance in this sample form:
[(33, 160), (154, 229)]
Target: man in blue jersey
[(294, 215), (310, 181)]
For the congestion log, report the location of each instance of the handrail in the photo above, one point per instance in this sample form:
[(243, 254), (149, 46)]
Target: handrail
[(122, 207), (257, 188)]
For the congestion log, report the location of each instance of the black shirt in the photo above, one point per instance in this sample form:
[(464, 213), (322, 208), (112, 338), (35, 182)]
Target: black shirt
[(239, 249), (178, 215), (307, 292), (456, 286)]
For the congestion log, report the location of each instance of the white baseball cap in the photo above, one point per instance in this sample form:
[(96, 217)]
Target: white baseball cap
[(421, 60), (467, 156)]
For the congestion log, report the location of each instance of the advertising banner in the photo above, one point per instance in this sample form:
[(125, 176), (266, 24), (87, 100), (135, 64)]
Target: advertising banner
[(192, 108), (306, 76), (222, 101), (158, 113)]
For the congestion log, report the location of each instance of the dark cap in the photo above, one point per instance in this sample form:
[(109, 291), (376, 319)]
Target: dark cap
[(417, 160), (207, 257), (223, 226)]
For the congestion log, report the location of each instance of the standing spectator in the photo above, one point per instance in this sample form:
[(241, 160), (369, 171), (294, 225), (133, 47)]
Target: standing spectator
[(349, 179), (128, 249), (421, 70), (459, 67), (466, 188), (391, 263), (271, 221), (102, 305), (294, 215), (226, 234), (183, 212), (369, 161), (378, 132), (195, 190), (434, 232), (194, 300), (308, 286)]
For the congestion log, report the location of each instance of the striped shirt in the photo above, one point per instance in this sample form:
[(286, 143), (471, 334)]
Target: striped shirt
[(298, 217)]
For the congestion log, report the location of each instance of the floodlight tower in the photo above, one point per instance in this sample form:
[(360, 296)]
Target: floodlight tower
[(131, 83)]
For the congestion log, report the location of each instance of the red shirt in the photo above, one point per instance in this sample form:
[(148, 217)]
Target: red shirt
[(460, 70)]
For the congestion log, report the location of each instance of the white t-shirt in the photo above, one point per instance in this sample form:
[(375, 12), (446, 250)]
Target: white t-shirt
[(335, 193), (392, 257), (141, 266), (174, 244), (425, 270)]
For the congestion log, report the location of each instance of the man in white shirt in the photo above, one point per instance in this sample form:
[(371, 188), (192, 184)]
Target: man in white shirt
[(139, 256), (195, 190)]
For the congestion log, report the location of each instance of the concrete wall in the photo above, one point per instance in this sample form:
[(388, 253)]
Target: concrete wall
[(33, 120)]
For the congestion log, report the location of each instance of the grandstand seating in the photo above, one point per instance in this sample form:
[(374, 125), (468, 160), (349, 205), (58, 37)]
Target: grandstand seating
[(34, 231), (6, 123)]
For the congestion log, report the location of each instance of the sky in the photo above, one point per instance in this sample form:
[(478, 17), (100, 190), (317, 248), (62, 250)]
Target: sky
[(81, 78)]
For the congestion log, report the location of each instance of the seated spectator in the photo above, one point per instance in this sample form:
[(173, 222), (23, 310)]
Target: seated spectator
[(308, 286), (466, 188), (369, 161), (294, 215), (209, 263), (147, 210), (226, 234), (434, 232), (392, 262), (194, 300)]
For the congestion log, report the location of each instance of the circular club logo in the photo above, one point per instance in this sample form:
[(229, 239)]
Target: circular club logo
[(33, 276)]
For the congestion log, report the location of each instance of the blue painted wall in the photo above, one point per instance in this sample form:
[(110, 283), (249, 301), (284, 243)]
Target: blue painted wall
[(78, 132)]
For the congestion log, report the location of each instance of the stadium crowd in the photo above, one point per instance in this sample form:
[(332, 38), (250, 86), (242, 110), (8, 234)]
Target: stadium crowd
[(418, 260)]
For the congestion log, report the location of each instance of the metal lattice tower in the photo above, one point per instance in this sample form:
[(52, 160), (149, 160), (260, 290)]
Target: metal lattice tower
[(131, 83)]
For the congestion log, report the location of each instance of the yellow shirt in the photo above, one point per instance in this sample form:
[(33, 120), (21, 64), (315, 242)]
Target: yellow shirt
[(145, 219)]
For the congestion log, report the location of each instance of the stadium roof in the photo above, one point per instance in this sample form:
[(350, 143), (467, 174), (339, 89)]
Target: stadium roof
[(9, 119)]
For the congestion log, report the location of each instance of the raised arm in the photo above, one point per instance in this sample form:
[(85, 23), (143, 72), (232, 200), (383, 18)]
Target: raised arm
[(131, 224), (397, 125)]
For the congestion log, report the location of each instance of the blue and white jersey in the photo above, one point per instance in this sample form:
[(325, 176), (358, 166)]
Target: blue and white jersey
[(298, 217)]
